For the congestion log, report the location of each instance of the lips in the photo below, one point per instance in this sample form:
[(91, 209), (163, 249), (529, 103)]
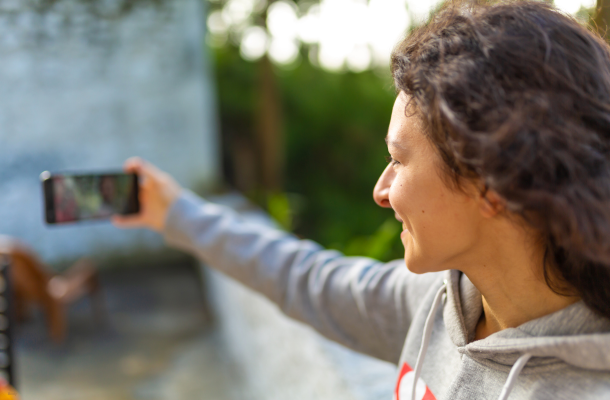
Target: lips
[(404, 226)]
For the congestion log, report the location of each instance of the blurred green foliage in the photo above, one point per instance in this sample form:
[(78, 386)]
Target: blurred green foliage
[(335, 125), (280, 209)]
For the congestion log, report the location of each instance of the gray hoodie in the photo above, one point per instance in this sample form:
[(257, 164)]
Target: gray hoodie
[(423, 323)]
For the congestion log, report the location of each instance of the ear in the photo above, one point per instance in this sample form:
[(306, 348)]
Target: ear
[(491, 204)]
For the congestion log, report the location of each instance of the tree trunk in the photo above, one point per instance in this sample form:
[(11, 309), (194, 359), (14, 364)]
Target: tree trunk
[(269, 129)]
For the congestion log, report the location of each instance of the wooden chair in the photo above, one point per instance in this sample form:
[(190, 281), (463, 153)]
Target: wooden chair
[(33, 282)]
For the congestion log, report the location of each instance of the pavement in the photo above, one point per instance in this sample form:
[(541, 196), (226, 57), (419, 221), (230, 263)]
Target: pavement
[(156, 341)]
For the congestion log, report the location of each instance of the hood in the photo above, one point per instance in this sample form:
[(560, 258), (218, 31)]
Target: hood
[(574, 335)]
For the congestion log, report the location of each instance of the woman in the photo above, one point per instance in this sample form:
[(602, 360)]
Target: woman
[(500, 175)]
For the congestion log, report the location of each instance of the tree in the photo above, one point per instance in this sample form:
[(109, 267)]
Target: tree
[(602, 18)]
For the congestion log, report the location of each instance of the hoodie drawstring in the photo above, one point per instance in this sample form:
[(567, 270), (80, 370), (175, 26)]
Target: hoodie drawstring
[(514, 371), (513, 375), (427, 333)]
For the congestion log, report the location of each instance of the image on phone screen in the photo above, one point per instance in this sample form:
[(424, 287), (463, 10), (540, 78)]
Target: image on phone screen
[(71, 198)]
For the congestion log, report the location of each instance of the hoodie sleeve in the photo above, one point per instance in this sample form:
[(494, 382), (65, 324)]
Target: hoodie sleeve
[(361, 303)]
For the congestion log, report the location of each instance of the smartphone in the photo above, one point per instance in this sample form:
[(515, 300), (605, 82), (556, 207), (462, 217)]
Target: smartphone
[(72, 197)]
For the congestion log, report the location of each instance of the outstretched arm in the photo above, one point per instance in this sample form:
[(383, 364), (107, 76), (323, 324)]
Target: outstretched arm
[(359, 302)]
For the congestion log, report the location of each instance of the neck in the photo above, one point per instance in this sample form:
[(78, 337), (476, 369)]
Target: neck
[(512, 284), (502, 313)]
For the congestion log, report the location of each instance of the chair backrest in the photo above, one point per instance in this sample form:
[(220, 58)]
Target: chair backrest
[(30, 276)]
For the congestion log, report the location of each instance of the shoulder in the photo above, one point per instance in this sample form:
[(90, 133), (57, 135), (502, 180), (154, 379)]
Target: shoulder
[(571, 383)]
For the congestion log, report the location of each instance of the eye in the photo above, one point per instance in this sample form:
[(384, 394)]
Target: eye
[(391, 161)]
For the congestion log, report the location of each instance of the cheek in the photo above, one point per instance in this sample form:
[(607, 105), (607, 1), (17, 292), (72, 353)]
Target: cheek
[(438, 222), (412, 197)]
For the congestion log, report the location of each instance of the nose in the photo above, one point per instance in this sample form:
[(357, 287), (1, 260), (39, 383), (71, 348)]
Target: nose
[(381, 192)]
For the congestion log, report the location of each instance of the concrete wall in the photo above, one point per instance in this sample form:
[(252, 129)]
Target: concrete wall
[(87, 83), (275, 358)]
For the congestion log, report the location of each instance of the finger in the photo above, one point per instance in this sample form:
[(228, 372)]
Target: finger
[(143, 168), (133, 164)]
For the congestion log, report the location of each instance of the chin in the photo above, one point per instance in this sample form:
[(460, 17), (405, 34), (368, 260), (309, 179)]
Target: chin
[(413, 267), (420, 265), (416, 260)]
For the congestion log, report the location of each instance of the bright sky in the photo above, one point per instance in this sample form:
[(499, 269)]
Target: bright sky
[(349, 34)]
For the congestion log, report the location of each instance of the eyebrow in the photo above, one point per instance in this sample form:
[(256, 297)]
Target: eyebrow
[(394, 143)]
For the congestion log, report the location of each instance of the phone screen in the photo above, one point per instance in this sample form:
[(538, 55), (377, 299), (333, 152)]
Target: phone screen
[(71, 198)]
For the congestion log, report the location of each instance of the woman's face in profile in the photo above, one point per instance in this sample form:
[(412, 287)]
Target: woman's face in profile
[(440, 224)]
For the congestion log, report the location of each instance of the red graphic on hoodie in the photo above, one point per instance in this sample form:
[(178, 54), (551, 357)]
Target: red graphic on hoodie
[(404, 386)]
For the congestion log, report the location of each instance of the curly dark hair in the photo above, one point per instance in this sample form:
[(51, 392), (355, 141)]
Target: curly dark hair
[(517, 96)]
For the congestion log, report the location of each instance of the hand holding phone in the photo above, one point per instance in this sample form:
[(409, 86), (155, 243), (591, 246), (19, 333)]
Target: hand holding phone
[(80, 197), (158, 191)]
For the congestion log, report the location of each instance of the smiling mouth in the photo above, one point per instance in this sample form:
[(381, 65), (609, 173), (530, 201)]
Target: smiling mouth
[(398, 218)]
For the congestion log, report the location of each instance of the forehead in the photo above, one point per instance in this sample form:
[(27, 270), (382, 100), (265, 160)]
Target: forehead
[(405, 126)]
